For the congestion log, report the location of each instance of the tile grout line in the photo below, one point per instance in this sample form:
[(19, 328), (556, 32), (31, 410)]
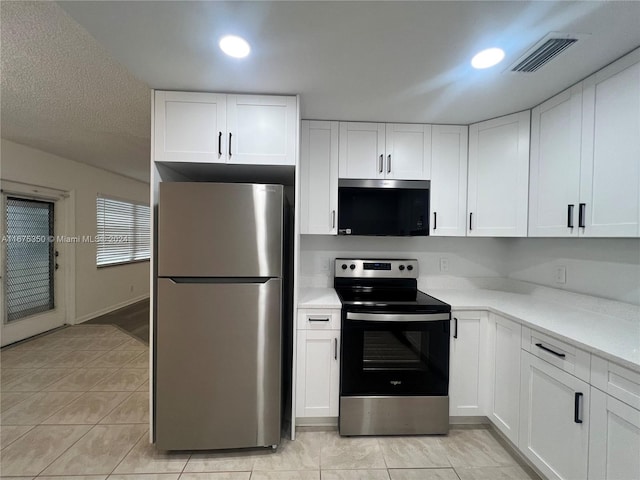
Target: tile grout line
[(146, 432)]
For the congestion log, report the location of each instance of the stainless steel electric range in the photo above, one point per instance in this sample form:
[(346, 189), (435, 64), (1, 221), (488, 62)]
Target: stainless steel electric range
[(394, 374)]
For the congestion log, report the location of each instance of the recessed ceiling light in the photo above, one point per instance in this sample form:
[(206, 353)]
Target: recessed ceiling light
[(234, 46), (487, 58)]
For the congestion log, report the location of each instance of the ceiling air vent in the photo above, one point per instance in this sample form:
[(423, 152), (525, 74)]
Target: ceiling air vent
[(543, 52)]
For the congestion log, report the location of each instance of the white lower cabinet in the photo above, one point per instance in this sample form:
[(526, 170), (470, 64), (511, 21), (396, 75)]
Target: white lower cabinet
[(614, 440), (468, 365), (554, 419), (503, 407), (318, 367)]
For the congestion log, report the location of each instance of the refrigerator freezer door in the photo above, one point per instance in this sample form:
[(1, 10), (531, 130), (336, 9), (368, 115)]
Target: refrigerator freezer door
[(218, 365), (219, 230)]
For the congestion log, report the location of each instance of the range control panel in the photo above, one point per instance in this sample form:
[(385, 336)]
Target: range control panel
[(375, 268)]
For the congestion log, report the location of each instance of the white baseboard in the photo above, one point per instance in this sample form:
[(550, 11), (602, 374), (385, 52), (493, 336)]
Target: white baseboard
[(109, 309)]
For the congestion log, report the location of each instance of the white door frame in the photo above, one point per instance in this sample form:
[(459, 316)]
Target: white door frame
[(64, 228)]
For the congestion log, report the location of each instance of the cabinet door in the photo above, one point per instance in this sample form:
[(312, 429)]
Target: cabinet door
[(449, 180), (319, 177), (504, 375), (499, 177), (408, 151), (610, 171), (262, 130), (614, 439), (362, 150), (318, 373), (552, 405), (554, 187), (468, 363), (189, 127)]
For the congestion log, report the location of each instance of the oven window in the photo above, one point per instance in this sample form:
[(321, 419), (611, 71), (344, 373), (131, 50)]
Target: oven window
[(395, 350), (394, 358)]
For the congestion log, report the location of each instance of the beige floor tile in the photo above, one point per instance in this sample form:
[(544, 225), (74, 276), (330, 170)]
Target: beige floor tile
[(123, 380), (113, 359), (105, 342), (88, 409), (216, 476), (33, 358), (10, 433), (141, 361), (352, 453), (148, 476), (12, 357), (10, 375), (475, 448), (144, 387), (37, 408), (354, 475), (291, 475), (10, 399), (146, 458), (79, 477), (31, 453), (2, 477), (414, 452), (81, 380), (423, 474), (513, 472), (302, 454), (37, 380), (74, 358), (229, 461), (99, 451), (133, 344), (134, 409)]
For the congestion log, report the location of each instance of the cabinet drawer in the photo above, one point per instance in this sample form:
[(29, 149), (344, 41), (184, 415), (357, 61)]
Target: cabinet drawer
[(318, 319), (619, 382), (557, 352)]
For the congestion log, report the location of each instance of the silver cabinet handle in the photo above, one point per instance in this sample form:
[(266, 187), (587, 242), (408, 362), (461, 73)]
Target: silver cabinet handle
[(389, 164), (219, 144), (335, 348), (380, 163), (229, 144), (333, 219)]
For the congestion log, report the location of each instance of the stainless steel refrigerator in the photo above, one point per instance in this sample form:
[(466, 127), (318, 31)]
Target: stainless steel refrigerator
[(219, 316)]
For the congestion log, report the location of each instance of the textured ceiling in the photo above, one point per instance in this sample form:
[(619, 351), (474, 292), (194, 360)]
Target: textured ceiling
[(65, 94), (75, 75)]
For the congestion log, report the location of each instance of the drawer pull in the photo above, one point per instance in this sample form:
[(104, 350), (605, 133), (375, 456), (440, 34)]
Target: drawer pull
[(319, 319), (561, 355), (577, 408)]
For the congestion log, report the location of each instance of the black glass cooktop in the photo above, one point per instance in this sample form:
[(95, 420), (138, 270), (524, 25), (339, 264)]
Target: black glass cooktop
[(381, 297)]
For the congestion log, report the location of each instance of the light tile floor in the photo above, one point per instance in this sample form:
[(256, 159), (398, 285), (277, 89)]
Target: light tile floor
[(74, 404)]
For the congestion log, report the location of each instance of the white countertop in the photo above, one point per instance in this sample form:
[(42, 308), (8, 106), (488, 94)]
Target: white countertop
[(612, 337)]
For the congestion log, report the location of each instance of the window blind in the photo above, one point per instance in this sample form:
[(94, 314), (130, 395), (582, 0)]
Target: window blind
[(123, 233)]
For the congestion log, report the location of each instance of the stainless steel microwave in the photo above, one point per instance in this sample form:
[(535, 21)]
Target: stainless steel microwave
[(383, 207)]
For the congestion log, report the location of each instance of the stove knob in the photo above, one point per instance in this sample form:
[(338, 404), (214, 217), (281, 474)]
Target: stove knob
[(401, 267), (344, 266), (352, 267), (409, 267)]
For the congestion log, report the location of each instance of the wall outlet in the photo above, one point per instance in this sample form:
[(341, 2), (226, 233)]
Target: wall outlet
[(444, 264), (561, 275)]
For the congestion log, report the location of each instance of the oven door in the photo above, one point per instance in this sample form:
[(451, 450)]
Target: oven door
[(394, 354)]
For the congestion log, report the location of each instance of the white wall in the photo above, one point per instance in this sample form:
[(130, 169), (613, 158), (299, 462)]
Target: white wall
[(467, 257), (608, 268), (604, 267), (97, 291)]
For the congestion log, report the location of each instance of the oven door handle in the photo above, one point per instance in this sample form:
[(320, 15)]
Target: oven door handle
[(397, 317)]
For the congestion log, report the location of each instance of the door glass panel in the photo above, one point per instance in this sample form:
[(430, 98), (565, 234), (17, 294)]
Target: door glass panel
[(30, 261), (394, 350)]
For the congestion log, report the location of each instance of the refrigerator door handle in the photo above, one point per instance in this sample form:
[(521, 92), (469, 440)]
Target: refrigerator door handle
[(210, 280)]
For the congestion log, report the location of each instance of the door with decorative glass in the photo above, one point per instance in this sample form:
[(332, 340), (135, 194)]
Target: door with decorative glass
[(31, 284)]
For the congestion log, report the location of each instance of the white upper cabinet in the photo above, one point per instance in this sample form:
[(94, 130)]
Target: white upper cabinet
[(449, 180), (218, 128), (190, 127), (610, 168), (319, 177), (379, 151), (585, 157), (499, 176), (408, 151), (555, 165)]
